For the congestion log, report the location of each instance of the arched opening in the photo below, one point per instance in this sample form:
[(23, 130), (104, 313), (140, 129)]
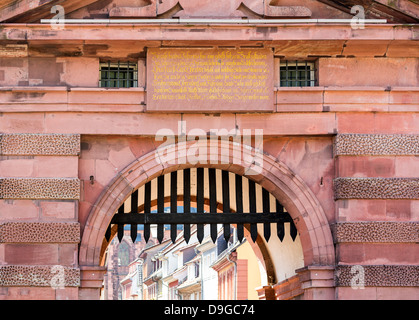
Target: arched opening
[(301, 204), (228, 198)]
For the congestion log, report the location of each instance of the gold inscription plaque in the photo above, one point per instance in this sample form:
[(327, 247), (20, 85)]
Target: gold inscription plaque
[(209, 79)]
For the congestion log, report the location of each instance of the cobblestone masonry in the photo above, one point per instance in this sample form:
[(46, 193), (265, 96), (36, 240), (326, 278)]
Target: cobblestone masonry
[(40, 144), (376, 188), (375, 144), (379, 276), (38, 276), (39, 232), (40, 188), (376, 232)]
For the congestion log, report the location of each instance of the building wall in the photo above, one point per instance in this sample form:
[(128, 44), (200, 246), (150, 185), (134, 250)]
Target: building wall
[(248, 273), (352, 141)]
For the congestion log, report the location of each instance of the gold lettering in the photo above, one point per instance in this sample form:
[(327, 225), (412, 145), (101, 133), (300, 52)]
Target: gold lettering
[(224, 75)]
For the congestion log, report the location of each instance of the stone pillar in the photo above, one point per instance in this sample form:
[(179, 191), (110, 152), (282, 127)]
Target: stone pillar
[(317, 282), (39, 228), (266, 293), (91, 282)]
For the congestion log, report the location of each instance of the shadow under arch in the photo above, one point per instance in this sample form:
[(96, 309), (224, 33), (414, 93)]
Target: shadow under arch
[(290, 190)]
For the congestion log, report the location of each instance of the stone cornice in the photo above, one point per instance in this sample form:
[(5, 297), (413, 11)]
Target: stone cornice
[(220, 31)]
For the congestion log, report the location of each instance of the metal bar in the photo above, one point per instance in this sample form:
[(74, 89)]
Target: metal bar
[(127, 77), (252, 207), (120, 232), (226, 201), (239, 205), (187, 202), (117, 74), (147, 211), (109, 74), (160, 206), (173, 203), (120, 228), (200, 218), (108, 233), (266, 209), (200, 200), (293, 231), (134, 209), (280, 229), (213, 200)]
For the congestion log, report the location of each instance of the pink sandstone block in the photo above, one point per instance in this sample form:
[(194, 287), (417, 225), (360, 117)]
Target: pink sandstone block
[(348, 293), (19, 210), (17, 167), (288, 123), (378, 253), (366, 166), (22, 123), (66, 167), (58, 210), (105, 171), (364, 71), (28, 293), (377, 210)]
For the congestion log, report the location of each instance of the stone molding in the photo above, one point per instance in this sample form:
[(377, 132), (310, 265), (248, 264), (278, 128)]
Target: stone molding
[(40, 188), (377, 275), (376, 145), (37, 276), (92, 276), (39, 232), (288, 289), (20, 144), (376, 231), (376, 188)]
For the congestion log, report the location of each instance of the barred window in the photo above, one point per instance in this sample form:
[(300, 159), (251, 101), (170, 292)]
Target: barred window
[(118, 74), (297, 74)]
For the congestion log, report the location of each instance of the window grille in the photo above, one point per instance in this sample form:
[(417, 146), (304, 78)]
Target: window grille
[(118, 74), (297, 74), (273, 211)]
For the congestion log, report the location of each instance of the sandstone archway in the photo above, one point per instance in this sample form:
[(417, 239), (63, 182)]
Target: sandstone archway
[(274, 176)]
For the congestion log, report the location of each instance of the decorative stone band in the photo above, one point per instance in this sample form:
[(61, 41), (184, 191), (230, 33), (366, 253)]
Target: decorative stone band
[(40, 144), (39, 276), (40, 188), (376, 188), (376, 145), (377, 276), (379, 232), (39, 232)]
